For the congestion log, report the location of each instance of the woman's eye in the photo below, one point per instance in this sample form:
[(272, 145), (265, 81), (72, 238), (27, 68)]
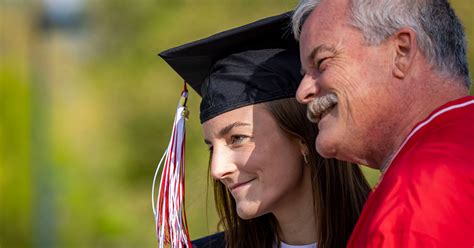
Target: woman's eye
[(237, 139)]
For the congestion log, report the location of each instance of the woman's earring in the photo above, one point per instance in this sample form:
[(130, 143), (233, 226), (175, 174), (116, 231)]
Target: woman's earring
[(305, 158)]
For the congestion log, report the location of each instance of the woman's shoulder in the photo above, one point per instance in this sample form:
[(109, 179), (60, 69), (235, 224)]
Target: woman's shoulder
[(212, 241)]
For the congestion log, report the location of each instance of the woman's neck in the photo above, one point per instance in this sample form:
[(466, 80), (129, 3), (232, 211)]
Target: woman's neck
[(296, 216)]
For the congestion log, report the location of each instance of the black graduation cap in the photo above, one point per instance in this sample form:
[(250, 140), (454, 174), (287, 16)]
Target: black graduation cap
[(250, 64)]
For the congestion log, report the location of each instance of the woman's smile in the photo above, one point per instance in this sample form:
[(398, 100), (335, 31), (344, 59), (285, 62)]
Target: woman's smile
[(235, 187)]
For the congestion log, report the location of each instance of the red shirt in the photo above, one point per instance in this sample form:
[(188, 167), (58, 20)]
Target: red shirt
[(426, 195)]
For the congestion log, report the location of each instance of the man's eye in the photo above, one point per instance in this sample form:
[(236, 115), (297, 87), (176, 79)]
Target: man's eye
[(320, 64), (237, 139)]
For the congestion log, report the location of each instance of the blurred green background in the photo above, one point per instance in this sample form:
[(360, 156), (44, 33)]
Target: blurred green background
[(86, 110)]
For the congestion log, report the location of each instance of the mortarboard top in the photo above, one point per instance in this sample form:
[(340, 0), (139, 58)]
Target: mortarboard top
[(250, 64)]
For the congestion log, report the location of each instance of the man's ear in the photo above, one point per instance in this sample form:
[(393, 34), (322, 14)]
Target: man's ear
[(406, 48)]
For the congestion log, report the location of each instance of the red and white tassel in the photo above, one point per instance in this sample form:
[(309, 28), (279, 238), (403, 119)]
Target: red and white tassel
[(169, 212)]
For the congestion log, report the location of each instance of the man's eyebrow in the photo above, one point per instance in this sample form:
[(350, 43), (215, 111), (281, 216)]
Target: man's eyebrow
[(315, 52), (227, 129), (319, 49)]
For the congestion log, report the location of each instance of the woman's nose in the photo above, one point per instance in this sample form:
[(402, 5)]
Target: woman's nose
[(308, 89), (221, 164)]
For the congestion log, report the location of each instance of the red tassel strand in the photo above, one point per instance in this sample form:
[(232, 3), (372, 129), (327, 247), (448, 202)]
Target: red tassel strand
[(170, 215)]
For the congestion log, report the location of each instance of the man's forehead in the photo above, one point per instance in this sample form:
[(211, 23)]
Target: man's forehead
[(322, 20)]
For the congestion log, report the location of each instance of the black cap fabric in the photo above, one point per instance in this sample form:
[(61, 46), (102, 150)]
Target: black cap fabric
[(251, 64)]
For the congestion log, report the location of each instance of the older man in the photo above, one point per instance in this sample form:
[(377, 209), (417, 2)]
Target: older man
[(387, 84)]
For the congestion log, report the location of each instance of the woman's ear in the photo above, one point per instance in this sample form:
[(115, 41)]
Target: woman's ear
[(304, 151), (406, 48), (303, 147)]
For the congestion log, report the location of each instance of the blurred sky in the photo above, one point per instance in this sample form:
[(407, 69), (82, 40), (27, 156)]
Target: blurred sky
[(86, 110)]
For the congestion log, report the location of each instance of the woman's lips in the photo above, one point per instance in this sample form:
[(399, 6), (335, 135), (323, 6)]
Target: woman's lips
[(240, 184)]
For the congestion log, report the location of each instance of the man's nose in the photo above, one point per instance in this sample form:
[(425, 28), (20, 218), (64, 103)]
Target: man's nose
[(308, 89), (221, 164)]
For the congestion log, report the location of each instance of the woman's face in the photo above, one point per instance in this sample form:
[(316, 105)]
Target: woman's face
[(260, 165)]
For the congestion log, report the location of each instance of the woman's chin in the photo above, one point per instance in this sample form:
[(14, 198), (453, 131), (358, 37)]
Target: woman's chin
[(247, 213)]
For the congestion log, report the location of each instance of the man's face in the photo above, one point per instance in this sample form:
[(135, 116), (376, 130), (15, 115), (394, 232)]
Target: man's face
[(345, 83)]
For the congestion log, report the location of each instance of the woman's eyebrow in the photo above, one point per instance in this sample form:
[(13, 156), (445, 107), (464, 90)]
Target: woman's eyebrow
[(229, 127), (225, 130)]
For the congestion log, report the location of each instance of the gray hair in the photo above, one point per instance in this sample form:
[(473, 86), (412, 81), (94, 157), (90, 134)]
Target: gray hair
[(439, 32)]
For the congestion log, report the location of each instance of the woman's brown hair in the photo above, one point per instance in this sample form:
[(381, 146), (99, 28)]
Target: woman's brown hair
[(339, 188)]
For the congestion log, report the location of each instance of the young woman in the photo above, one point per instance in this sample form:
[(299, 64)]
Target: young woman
[(271, 187)]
